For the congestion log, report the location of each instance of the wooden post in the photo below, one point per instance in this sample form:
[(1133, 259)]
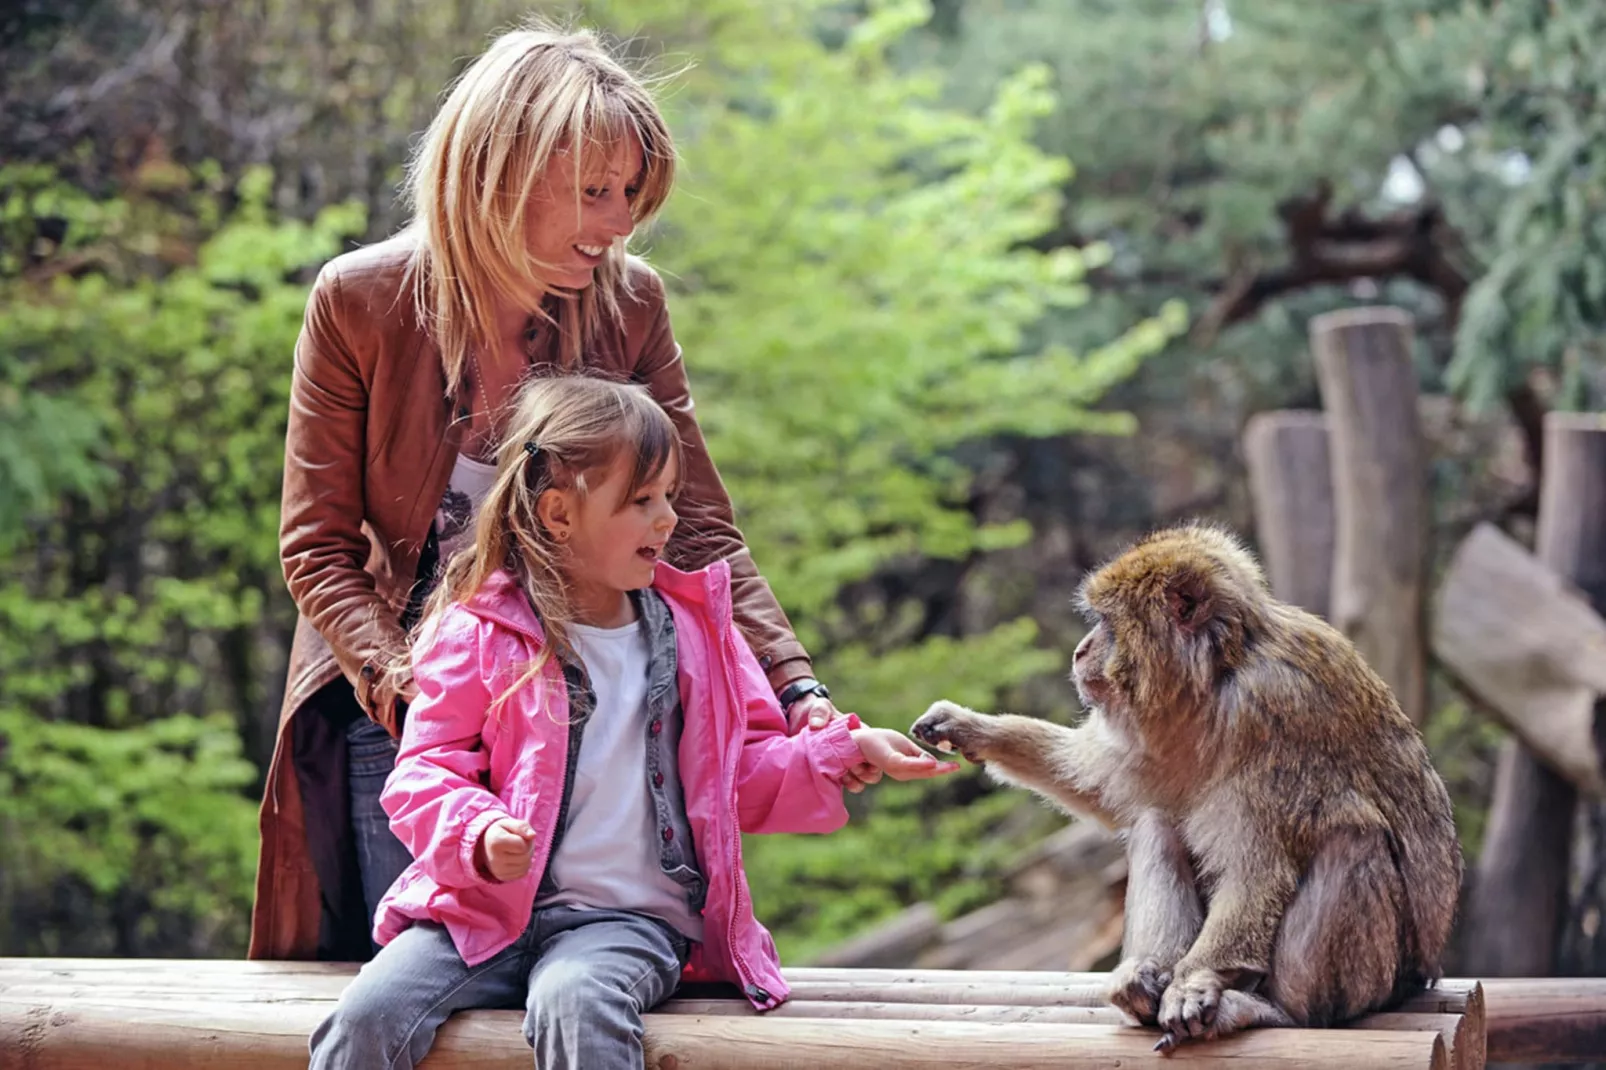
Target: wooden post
[(1571, 538), (1520, 897), (1291, 482), (1368, 383)]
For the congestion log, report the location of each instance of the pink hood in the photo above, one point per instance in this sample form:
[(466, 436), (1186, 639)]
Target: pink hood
[(462, 768)]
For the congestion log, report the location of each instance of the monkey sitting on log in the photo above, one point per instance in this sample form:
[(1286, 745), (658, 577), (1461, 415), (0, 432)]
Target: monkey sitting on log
[(1292, 854)]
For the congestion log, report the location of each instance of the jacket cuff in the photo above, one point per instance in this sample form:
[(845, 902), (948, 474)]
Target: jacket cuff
[(471, 840), (378, 699), (840, 744), (781, 673)]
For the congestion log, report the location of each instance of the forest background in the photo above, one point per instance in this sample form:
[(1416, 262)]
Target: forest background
[(970, 293)]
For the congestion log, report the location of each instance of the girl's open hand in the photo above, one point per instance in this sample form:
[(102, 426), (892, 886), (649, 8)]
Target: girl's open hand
[(898, 756), (504, 849)]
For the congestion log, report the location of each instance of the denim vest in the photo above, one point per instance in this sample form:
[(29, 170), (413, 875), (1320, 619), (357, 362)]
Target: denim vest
[(677, 854)]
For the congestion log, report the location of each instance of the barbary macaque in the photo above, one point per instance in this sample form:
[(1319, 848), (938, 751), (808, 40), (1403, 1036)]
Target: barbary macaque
[(1292, 854)]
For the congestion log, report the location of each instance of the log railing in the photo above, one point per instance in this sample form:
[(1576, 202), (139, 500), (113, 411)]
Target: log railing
[(92, 1014)]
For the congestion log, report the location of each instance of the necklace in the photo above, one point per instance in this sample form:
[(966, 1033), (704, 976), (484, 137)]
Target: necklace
[(487, 436)]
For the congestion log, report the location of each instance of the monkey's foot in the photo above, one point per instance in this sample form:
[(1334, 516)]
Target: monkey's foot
[(949, 726), (1136, 988), (1232, 1011), (1188, 1007)]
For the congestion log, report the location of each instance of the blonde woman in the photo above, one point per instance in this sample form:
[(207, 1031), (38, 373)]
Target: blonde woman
[(546, 155)]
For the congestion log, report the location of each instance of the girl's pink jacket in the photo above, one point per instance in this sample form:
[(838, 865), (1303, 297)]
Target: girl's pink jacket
[(461, 768)]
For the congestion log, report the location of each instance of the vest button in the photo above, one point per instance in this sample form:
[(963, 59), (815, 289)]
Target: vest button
[(669, 834), (657, 780), (655, 727)]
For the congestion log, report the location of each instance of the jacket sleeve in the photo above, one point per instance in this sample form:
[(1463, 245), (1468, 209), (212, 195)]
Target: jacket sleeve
[(436, 797), (788, 783), (707, 531), (322, 545)]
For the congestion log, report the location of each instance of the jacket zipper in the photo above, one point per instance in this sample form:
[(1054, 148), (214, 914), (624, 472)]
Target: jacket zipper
[(749, 985)]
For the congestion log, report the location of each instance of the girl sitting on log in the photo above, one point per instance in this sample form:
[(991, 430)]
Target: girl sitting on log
[(591, 736)]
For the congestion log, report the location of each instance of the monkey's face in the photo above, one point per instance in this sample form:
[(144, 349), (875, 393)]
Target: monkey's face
[(1169, 618)]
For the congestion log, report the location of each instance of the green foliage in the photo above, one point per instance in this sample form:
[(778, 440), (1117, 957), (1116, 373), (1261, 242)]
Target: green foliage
[(1541, 302), (124, 842), (142, 578), (856, 293)]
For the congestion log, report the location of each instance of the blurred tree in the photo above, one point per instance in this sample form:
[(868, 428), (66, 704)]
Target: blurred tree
[(141, 607), (852, 282)]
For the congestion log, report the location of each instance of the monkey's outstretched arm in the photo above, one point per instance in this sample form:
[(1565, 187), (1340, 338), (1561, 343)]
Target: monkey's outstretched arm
[(1061, 764)]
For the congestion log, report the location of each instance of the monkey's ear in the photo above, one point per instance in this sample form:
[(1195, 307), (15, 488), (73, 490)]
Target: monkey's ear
[(1188, 602)]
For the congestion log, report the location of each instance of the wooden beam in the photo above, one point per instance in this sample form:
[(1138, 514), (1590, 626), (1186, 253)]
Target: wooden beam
[(1291, 488), (1529, 646), (1380, 543), (92, 1033), (1463, 1033), (1545, 1020), (1551, 1020)]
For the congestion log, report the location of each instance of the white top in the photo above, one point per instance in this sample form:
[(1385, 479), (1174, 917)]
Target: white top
[(609, 856), (466, 489)]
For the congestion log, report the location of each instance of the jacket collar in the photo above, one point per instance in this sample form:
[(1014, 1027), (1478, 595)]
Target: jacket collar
[(502, 601)]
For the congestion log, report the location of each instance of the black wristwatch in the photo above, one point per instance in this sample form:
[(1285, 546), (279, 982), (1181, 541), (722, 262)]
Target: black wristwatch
[(795, 690)]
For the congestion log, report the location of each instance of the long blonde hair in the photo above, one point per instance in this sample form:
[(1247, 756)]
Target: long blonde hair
[(535, 91), (567, 432)]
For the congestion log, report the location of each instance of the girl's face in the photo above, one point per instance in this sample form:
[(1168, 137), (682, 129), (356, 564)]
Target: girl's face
[(572, 235), (612, 541)]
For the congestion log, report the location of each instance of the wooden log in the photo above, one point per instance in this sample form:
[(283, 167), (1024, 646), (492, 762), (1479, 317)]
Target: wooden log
[(1380, 542), (1291, 487), (1542, 1020), (909, 1012), (1529, 646), (1465, 1041), (90, 1034), (224, 980), (1463, 1034)]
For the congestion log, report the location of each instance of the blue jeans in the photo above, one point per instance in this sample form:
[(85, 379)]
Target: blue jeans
[(370, 756), (583, 977)]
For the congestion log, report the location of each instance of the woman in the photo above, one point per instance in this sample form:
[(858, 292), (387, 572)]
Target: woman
[(546, 155)]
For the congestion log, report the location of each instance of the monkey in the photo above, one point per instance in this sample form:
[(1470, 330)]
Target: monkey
[(1292, 853)]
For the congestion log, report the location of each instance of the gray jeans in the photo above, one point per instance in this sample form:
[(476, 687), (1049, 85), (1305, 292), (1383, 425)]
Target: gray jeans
[(584, 978), (381, 857)]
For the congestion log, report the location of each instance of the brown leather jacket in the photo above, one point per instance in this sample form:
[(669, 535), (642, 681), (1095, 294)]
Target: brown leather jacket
[(371, 443)]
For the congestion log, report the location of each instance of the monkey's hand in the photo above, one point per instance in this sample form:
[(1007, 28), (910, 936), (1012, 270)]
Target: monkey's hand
[(1136, 987), (949, 726), (1188, 1007)]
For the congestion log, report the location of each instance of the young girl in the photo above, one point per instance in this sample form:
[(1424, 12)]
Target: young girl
[(591, 737)]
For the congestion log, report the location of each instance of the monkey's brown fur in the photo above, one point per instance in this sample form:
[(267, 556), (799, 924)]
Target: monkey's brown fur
[(1292, 853)]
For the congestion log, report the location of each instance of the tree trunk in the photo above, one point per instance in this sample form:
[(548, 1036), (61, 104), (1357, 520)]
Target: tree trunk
[(1380, 544), (1291, 482)]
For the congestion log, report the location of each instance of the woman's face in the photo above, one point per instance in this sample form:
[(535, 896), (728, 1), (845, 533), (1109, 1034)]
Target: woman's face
[(572, 234)]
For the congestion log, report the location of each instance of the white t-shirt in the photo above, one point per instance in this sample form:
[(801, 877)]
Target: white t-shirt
[(608, 858)]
